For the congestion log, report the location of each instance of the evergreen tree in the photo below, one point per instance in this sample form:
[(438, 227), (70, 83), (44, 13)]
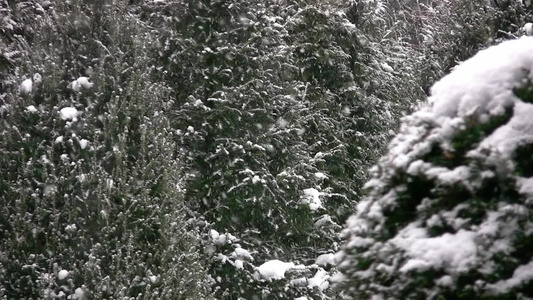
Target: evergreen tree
[(445, 33), (90, 184), (274, 101), (448, 215)]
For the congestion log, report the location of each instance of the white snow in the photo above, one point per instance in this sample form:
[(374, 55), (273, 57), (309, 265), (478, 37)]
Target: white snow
[(270, 148), (445, 280), (386, 67), (320, 175), (223, 258), (312, 198), (282, 123), (360, 242), (31, 109), (301, 298), (521, 275), (37, 78), (78, 294), (81, 83), (153, 279), (484, 82), (458, 174), (84, 143), (239, 264), (62, 274), (323, 220), (454, 252), (241, 253), (528, 29), (506, 138), (71, 228), (274, 269), (346, 111), (68, 113), (325, 259), (218, 239), (320, 280), (26, 87), (213, 234)]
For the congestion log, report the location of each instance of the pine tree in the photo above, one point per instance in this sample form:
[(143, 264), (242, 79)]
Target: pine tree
[(90, 183), (448, 215), (445, 33), (272, 100)]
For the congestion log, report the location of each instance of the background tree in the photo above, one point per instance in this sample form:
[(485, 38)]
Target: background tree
[(91, 189), (445, 33), (281, 107)]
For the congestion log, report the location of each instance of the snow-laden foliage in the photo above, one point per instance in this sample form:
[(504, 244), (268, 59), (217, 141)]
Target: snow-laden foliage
[(281, 108), (444, 33), (146, 130), (18, 23), (91, 191), (449, 214)]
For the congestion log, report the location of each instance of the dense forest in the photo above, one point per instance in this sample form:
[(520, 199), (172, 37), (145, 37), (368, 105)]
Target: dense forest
[(266, 149)]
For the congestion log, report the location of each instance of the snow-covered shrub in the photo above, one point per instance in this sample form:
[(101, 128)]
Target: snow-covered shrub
[(450, 209)]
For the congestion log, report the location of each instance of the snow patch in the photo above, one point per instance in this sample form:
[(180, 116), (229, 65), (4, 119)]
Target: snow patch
[(325, 259), (218, 239), (320, 280), (323, 220), (152, 278), (31, 109), (84, 143), (521, 276), (26, 87), (320, 175), (78, 294), (62, 274), (273, 269), (81, 83), (68, 113), (528, 29), (312, 198), (387, 68), (455, 252), (241, 253), (484, 82)]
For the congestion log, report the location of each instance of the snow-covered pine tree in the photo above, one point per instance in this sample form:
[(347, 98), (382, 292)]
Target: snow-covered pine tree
[(273, 103), (90, 186), (449, 213), (246, 157)]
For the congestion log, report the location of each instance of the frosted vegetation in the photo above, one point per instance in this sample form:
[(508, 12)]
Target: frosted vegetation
[(216, 149), (449, 212)]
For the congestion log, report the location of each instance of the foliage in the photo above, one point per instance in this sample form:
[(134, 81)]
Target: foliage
[(97, 193), (217, 135), (448, 211)]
